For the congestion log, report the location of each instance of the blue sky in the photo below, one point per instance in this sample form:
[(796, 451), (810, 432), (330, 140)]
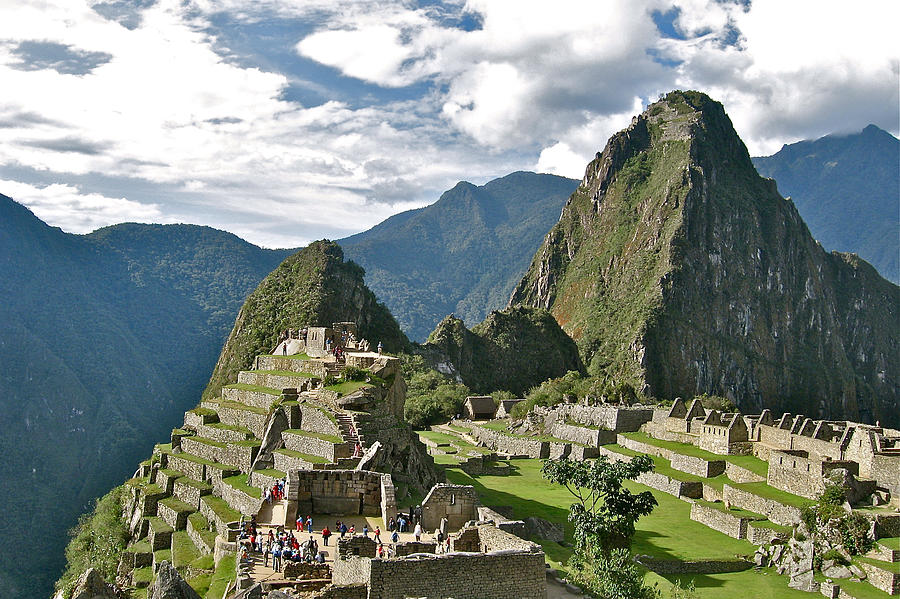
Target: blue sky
[(292, 120)]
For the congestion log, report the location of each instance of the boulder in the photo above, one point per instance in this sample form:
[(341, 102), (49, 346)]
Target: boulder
[(543, 529), (761, 558), (857, 572), (91, 585), (804, 581), (170, 585), (834, 570)]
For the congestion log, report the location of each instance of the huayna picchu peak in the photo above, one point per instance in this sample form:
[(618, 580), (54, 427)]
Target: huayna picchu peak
[(675, 266)]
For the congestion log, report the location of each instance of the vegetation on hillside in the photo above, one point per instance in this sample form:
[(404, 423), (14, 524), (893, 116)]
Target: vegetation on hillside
[(511, 350), (97, 541), (106, 339), (431, 397)]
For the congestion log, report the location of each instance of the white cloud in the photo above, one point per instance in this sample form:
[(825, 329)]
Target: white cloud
[(82, 212)]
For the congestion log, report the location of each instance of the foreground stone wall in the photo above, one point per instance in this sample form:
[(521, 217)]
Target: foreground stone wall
[(729, 524), (508, 444), (315, 420), (495, 575), (591, 437)]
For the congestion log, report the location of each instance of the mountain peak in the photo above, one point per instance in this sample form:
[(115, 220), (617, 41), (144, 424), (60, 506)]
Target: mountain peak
[(680, 270)]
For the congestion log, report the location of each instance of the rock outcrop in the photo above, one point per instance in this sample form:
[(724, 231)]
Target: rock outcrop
[(91, 585), (170, 585), (512, 349), (676, 267)]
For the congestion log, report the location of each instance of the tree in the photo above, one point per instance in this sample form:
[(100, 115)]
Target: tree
[(604, 518), (606, 512)]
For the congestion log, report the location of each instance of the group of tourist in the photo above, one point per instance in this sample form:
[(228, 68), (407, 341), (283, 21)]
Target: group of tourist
[(285, 547), (304, 523), (403, 521), (276, 491)]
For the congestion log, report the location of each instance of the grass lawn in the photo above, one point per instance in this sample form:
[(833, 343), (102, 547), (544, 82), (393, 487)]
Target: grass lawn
[(239, 482), (223, 575), (257, 388), (667, 533), (453, 440), (892, 567), (183, 550), (859, 590), (891, 542), (322, 436), (734, 511), (459, 429), (751, 463), (312, 459)]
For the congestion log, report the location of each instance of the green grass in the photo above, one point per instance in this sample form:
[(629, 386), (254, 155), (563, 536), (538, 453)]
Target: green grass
[(749, 462), (204, 562), (892, 567), (223, 574), (312, 459), (210, 442), (153, 489), (239, 482), (177, 505), (347, 387), (667, 533), (859, 590), (183, 550), (328, 413), (162, 555), (660, 465), (142, 546), (459, 429), (322, 436), (236, 405), (184, 480), (257, 388), (201, 525), (230, 427), (733, 511), (291, 373), (158, 524), (772, 526), (452, 440), (783, 497), (890, 542), (221, 508), (144, 574), (171, 473), (201, 411)]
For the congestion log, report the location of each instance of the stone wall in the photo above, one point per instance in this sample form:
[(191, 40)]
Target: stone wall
[(190, 468), (314, 446), (671, 566), (677, 488), (697, 466), (411, 547), (190, 492), (507, 443), (238, 499), (220, 434), (795, 472), (461, 576), (314, 419), (313, 367), (457, 503), (247, 418), (304, 571), (197, 538), (764, 536), (591, 437), (581, 453), (776, 512), (174, 518), (741, 475), (356, 546), (340, 492), (273, 381), (349, 591), (728, 524), (888, 582), (613, 418), (257, 399), (559, 450)]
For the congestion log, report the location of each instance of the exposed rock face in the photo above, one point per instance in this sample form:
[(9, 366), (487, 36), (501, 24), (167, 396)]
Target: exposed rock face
[(91, 585), (513, 349), (170, 585), (675, 266), (313, 286)]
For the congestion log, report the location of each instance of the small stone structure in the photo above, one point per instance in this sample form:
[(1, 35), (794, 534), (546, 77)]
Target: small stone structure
[(457, 503), (504, 410), (340, 492)]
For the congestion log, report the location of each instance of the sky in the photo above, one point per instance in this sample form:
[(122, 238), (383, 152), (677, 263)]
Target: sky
[(285, 121)]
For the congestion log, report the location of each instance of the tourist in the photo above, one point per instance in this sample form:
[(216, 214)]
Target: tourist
[(377, 536), (366, 530), (352, 530), (267, 549), (357, 451), (380, 347), (439, 537), (325, 534), (320, 557), (300, 523), (342, 529), (309, 523), (276, 557), (401, 523), (392, 524), (395, 537), (380, 552), (417, 532)]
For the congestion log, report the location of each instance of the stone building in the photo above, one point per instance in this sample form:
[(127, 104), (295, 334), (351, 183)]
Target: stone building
[(479, 407)]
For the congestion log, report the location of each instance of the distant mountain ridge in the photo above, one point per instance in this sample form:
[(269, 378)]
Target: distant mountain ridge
[(847, 189), (461, 255), (104, 340)]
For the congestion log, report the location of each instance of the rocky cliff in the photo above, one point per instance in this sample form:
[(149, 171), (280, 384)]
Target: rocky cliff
[(513, 350), (314, 285), (676, 267)]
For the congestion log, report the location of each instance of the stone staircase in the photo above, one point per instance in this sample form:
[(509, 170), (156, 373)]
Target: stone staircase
[(349, 432)]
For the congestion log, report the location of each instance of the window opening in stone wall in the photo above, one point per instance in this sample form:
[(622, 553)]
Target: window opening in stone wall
[(452, 498)]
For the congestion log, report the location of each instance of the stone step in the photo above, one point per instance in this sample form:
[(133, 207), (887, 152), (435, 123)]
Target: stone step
[(238, 454), (259, 397), (286, 459), (175, 512), (190, 491), (238, 414), (277, 379), (222, 432)]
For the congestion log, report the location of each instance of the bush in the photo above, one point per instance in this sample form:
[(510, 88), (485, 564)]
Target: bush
[(716, 402), (611, 575), (352, 373), (431, 397)]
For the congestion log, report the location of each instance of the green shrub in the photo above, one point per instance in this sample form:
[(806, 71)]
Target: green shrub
[(352, 373)]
